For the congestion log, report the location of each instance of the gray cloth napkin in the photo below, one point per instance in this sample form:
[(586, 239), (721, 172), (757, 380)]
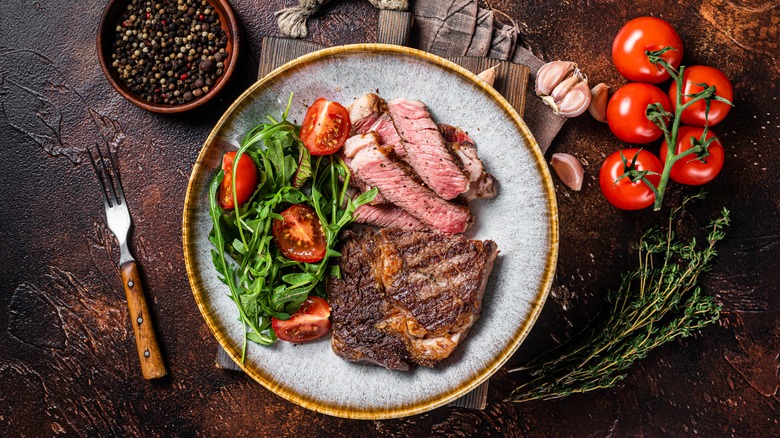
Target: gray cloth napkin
[(461, 27)]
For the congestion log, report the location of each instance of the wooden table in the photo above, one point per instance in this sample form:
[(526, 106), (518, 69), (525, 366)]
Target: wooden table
[(68, 362)]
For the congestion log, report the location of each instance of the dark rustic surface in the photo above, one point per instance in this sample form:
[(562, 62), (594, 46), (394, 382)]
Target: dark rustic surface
[(68, 362)]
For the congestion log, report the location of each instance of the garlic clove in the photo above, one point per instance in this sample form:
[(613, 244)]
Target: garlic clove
[(489, 75), (569, 170), (551, 74), (560, 90), (548, 100), (598, 102), (576, 101)]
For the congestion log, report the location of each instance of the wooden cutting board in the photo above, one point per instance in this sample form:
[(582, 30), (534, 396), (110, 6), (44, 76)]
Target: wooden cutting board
[(395, 28)]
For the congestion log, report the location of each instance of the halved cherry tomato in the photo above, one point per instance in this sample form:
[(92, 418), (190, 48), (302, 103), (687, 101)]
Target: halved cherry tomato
[(627, 112), (300, 236), (325, 127), (246, 180), (639, 35), (690, 169), (702, 74), (310, 322), (623, 193)]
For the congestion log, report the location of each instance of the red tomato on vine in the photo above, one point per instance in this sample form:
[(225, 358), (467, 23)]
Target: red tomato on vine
[(627, 112), (693, 169), (645, 34), (692, 78), (624, 177)]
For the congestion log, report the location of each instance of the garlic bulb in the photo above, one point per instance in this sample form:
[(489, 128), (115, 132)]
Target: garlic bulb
[(551, 74), (562, 86), (569, 170)]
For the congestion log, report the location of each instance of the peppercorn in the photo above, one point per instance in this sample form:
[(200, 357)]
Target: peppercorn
[(178, 46)]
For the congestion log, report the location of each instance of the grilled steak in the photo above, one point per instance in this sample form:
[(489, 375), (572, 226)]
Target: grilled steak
[(369, 114), (485, 187), (481, 184), (426, 150), (406, 297), (453, 133), (354, 144), (467, 152), (388, 215), (378, 166)]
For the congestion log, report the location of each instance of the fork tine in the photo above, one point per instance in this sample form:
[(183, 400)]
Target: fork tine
[(109, 177), (115, 171), (99, 178)]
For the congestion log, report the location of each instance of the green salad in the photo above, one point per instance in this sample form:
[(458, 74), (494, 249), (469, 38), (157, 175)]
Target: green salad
[(276, 220)]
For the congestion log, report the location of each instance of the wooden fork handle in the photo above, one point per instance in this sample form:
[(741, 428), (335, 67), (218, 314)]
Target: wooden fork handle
[(152, 364)]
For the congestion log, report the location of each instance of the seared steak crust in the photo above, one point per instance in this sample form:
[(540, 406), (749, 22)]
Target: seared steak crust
[(361, 305), (416, 290)]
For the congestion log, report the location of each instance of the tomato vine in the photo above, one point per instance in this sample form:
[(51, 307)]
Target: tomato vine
[(660, 117)]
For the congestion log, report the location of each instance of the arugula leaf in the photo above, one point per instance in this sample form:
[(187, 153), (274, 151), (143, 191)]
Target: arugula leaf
[(264, 284)]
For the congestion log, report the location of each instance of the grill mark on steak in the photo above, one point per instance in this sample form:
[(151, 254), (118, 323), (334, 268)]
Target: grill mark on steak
[(426, 150), (380, 167), (407, 297), (359, 297)]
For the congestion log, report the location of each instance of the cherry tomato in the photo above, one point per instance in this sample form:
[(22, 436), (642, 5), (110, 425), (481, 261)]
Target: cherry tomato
[(702, 74), (638, 35), (300, 236), (246, 180), (627, 112), (690, 169), (325, 127), (623, 193), (310, 322)]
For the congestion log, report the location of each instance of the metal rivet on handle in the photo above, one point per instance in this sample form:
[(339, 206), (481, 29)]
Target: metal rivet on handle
[(130, 283), (146, 353), (139, 320)]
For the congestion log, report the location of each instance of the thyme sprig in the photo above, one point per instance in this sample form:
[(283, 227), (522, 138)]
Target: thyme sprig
[(658, 302)]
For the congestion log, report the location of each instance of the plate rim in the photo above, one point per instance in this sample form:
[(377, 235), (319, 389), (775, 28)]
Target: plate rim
[(419, 406)]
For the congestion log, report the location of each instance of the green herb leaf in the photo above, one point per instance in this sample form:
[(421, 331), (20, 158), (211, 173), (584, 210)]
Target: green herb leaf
[(264, 284)]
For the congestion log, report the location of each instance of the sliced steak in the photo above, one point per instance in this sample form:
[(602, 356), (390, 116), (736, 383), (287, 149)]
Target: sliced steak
[(354, 144), (485, 187), (406, 297), (481, 184), (369, 114), (426, 150), (378, 166), (467, 152), (388, 216)]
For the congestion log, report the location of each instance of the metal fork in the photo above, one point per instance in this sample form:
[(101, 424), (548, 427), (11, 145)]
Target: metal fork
[(118, 218)]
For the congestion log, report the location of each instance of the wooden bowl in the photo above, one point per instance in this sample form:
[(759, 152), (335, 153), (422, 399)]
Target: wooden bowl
[(105, 39)]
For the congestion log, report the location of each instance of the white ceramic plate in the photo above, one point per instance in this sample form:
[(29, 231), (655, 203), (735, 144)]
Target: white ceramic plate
[(522, 220)]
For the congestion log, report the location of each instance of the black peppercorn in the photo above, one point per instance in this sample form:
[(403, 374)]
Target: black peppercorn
[(169, 52), (207, 65)]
